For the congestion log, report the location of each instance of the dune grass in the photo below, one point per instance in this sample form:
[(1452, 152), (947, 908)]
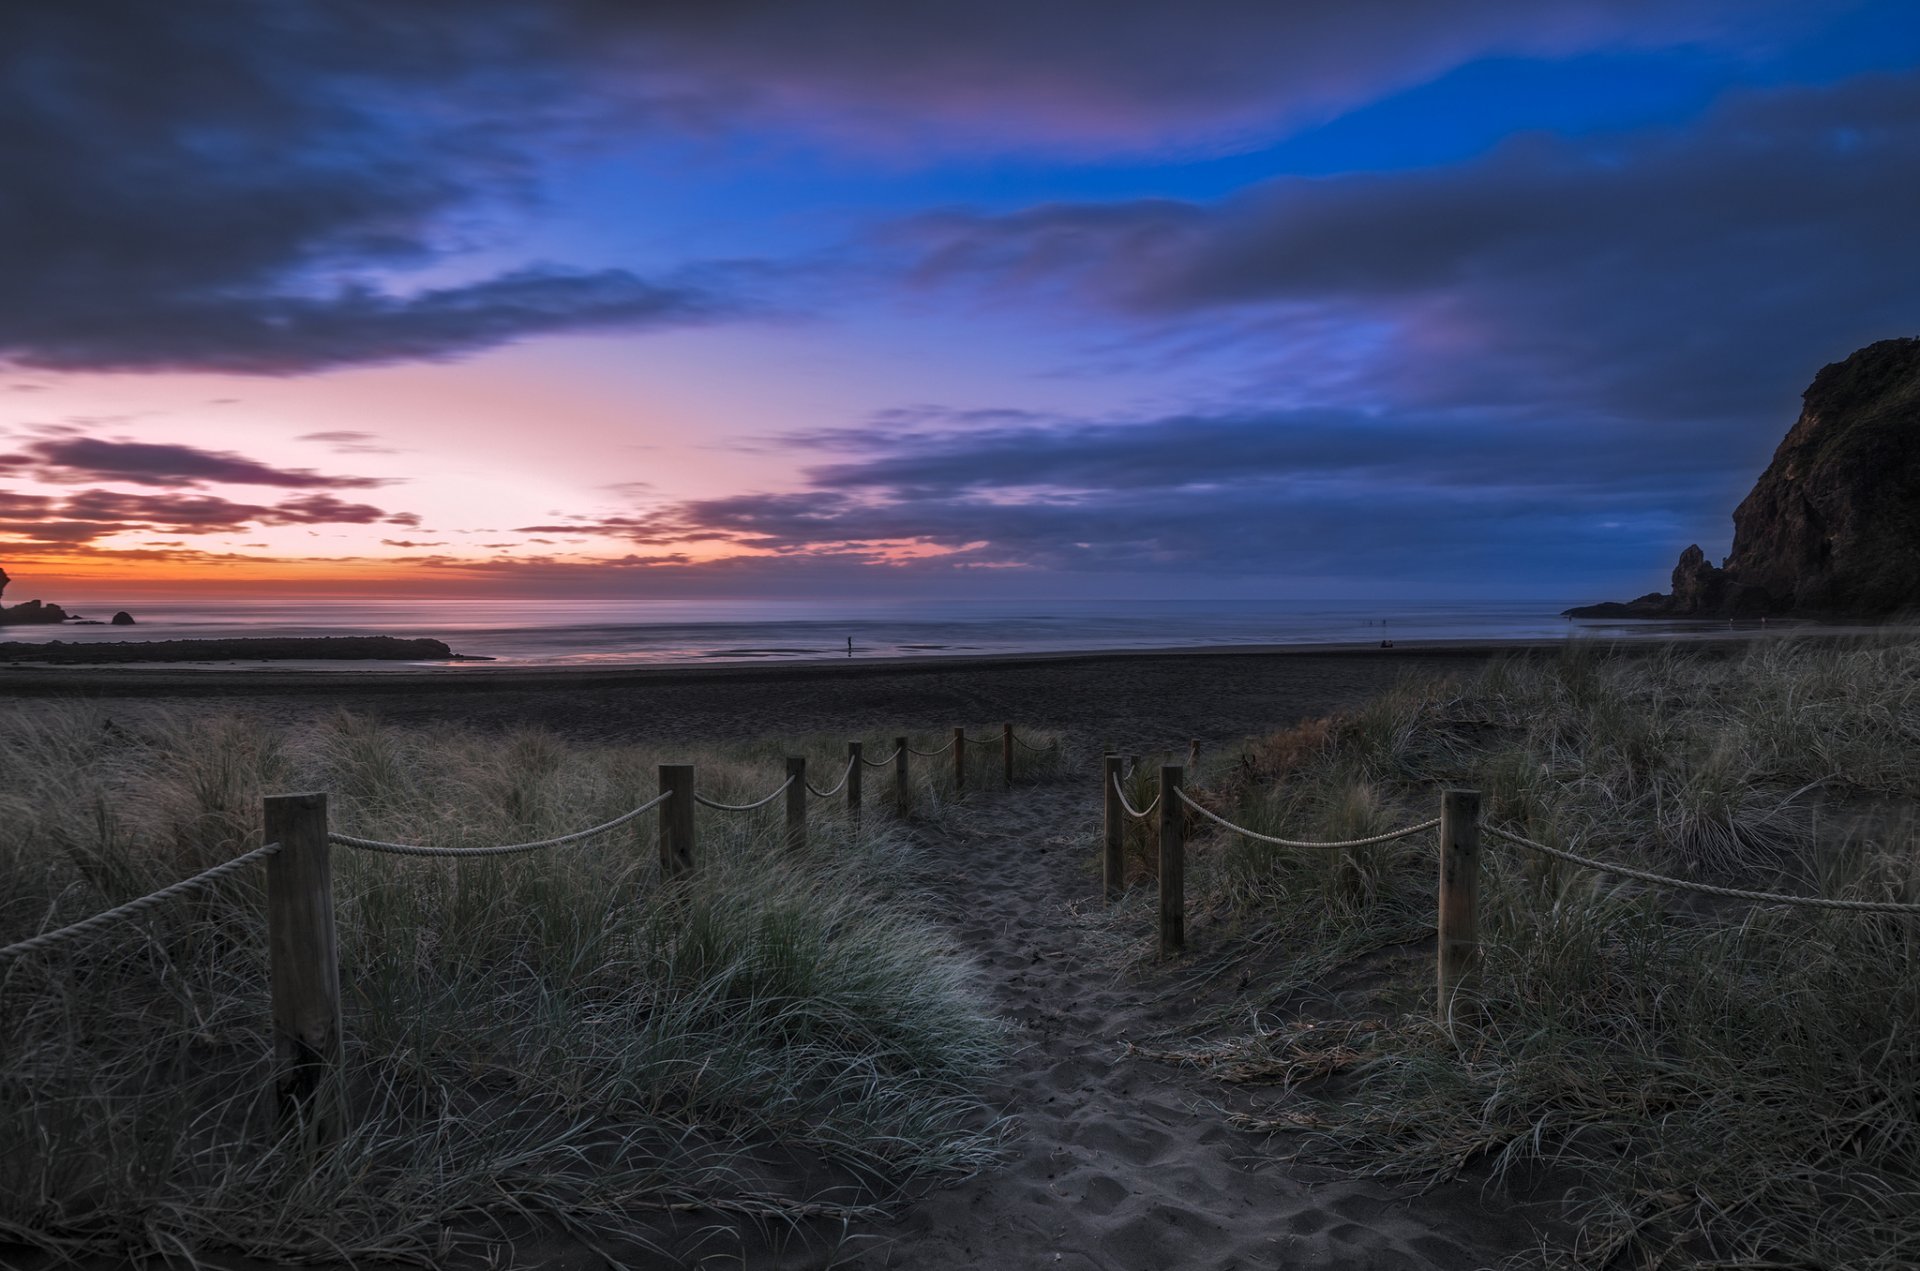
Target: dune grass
[(1724, 1085), (558, 1038)]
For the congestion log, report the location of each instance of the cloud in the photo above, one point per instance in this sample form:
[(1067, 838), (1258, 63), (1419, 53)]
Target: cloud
[(77, 459), (255, 216), (349, 442), (401, 542), (88, 515), (1697, 275)]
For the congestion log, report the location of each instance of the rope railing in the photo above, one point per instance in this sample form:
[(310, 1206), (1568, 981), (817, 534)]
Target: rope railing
[(1330, 845), (1022, 741), (932, 754), (761, 802), (818, 793), (1707, 889), (1138, 814), (983, 741), (133, 908), (505, 849), (881, 763)]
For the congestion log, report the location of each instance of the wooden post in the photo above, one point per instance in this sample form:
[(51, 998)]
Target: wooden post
[(676, 819), (902, 787), (303, 957), (1193, 754), (1114, 863), (1173, 863), (959, 762), (1459, 926), (854, 764), (1006, 752), (797, 802)]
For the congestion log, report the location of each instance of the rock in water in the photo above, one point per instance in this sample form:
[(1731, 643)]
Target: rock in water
[(1833, 525), (121, 619)]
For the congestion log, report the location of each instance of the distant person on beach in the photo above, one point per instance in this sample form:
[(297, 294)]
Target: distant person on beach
[(849, 646)]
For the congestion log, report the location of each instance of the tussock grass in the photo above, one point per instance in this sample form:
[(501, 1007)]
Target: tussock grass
[(557, 1037), (1727, 1086)]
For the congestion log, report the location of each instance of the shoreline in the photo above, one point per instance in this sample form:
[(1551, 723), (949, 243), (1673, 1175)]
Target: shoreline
[(109, 679), (1137, 699)]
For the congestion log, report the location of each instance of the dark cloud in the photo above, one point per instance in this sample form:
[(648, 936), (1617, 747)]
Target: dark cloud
[(232, 187), (87, 515), (1696, 277), (401, 542), (78, 459), (1301, 496)]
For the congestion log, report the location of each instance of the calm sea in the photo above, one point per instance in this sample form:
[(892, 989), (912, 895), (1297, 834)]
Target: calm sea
[(551, 633)]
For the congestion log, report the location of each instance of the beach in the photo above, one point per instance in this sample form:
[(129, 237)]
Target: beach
[(1127, 699)]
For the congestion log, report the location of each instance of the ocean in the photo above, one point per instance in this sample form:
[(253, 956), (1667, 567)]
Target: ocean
[(527, 633)]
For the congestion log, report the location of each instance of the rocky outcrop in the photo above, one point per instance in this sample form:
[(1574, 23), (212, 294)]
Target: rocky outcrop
[(30, 612), (264, 648), (121, 619), (1832, 528)]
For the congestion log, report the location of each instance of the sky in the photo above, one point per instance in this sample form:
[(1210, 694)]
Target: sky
[(1075, 298)]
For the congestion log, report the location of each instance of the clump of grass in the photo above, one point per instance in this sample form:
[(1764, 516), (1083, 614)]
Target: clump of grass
[(556, 1037), (1730, 1086)]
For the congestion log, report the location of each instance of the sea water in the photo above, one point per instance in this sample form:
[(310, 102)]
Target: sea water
[(641, 632)]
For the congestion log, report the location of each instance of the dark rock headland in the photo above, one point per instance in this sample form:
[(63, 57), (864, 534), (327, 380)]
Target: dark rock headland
[(1832, 528), (31, 612), (267, 648)]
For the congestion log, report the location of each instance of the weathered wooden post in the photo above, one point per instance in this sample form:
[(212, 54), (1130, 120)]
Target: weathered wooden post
[(1006, 752), (959, 762), (902, 786), (854, 762), (796, 801), (303, 957), (1173, 863), (1459, 926), (1114, 861), (676, 819), (1193, 754)]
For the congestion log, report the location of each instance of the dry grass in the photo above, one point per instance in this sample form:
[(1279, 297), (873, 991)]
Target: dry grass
[(557, 1037), (1731, 1086)]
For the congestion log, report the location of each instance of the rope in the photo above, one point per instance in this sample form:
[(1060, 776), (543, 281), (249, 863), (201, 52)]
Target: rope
[(1138, 814), (932, 754), (47, 939), (1280, 842), (705, 802), (1052, 745), (983, 741), (410, 849), (828, 794), (881, 763), (1737, 893)]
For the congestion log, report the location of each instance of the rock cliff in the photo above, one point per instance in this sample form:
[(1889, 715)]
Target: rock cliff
[(1832, 527)]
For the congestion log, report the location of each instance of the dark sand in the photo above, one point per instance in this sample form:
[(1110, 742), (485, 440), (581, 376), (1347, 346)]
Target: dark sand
[(1129, 699)]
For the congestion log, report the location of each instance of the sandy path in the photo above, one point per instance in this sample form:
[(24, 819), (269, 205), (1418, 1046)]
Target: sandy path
[(1121, 1162)]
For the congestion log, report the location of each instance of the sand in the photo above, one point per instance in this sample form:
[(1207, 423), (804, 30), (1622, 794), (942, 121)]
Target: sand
[(1128, 699), (1122, 1162)]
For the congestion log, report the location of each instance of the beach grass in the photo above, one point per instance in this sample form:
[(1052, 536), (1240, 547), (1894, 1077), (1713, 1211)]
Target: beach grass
[(557, 1041), (1707, 1082)]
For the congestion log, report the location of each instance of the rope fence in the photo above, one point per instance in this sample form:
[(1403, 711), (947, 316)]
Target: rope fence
[(134, 908), (718, 806), (504, 849), (838, 786), (304, 970), (1460, 827)]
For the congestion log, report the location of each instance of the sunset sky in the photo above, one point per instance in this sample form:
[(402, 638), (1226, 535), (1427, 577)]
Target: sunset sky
[(1057, 298)]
